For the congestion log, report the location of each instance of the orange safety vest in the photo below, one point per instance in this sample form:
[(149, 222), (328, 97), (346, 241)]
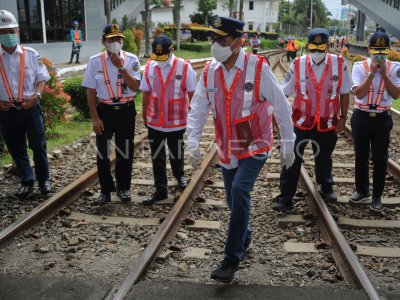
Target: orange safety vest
[(21, 80), (290, 46), (374, 104), (77, 37), (113, 99)]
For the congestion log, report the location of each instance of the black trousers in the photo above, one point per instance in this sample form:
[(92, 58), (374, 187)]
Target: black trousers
[(77, 53), (371, 133), (16, 126), (120, 122), (323, 144), (176, 155)]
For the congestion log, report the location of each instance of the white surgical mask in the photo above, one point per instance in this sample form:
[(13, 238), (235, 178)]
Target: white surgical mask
[(162, 64), (221, 53), (378, 57), (114, 47), (317, 57)]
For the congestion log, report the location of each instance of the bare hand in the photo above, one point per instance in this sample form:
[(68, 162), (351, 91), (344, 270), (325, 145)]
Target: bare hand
[(374, 66), (382, 66), (116, 60), (144, 119), (98, 126), (30, 102), (341, 124), (4, 105)]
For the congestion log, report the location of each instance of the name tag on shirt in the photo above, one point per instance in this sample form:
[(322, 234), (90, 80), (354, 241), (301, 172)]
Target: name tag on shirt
[(213, 90), (151, 76)]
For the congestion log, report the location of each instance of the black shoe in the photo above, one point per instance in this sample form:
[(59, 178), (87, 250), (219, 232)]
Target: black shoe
[(24, 190), (77, 62), (329, 196), (124, 195), (182, 182), (376, 204), (103, 199), (45, 187), (157, 196), (358, 197), (282, 207), (70, 62), (226, 271)]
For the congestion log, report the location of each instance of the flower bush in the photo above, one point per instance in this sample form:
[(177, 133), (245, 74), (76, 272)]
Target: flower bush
[(344, 52), (54, 100), (394, 55)]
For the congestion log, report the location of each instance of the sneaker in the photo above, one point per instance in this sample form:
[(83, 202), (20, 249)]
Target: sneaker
[(247, 249), (282, 207), (358, 197), (226, 271), (104, 198), (124, 195), (329, 196), (24, 190), (376, 204)]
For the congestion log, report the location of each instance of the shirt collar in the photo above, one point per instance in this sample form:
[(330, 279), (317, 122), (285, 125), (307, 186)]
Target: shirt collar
[(171, 60), (239, 61), (325, 60), (121, 54), (18, 49)]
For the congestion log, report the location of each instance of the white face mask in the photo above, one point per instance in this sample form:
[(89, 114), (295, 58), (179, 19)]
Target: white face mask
[(221, 53), (378, 57), (317, 57), (162, 64), (114, 47)]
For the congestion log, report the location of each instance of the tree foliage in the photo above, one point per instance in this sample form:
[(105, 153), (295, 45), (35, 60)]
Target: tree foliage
[(204, 12)]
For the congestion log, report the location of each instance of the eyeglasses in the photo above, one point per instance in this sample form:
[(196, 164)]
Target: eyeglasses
[(218, 39), (316, 50)]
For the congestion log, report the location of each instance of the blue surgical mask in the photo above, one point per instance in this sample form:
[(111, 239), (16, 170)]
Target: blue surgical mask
[(9, 40)]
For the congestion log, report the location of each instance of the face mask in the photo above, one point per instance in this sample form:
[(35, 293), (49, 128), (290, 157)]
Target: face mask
[(9, 40), (378, 57), (317, 57), (221, 53), (114, 47), (162, 64)]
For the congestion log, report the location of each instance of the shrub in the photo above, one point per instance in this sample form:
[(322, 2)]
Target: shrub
[(54, 100), (129, 43), (73, 87), (158, 31), (138, 34), (394, 55), (269, 44), (344, 52), (357, 58), (196, 47)]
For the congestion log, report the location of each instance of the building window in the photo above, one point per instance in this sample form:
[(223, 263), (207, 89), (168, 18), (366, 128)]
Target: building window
[(251, 26), (59, 17), (30, 22), (251, 5)]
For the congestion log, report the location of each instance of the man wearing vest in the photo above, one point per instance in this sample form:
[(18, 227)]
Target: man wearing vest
[(289, 48), (76, 39), (243, 94), (321, 83), (168, 85), (376, 83), (23, 77), (113, 77), (255, 44)]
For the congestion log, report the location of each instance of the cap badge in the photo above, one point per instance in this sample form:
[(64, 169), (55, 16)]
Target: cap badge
[(248, 86), (380, 42), (335, 78), (114, 28), (178, 77), (317, 39), (217, 22), (159, 48)]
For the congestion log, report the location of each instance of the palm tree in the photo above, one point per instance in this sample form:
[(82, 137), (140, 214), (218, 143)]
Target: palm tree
[(177, 21), (146, 21), (241, 10)]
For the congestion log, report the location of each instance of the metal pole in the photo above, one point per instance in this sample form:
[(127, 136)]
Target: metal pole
[(43, 21), (311, 13)]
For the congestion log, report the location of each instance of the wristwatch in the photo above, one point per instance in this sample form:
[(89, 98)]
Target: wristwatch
[(370, 75), (39, 95), (122, 69)]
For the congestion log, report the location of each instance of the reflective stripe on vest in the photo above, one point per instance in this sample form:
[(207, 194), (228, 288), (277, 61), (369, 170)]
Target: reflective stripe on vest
[(21, 80), (77, 38), (113, 99), (168, 104), (375, 104)]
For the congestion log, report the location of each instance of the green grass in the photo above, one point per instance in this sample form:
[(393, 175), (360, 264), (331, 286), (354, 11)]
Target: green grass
[(64, 134), (396, 104)]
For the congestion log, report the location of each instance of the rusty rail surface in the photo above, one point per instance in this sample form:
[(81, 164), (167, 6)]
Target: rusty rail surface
[(50, 207), (168, 228)]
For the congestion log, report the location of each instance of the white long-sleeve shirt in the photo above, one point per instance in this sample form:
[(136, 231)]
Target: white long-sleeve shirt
[(270, 90)]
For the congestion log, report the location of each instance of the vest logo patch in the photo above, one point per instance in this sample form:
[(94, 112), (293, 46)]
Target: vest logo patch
[(248, 87), (178, 77), (287, 77), (335, 78), (136, 67)]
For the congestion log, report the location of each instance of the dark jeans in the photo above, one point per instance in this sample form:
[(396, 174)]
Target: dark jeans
[(323, 144), (120, 122), (16, 126), (176, 155), (371, 133), (78, 50), (239, 183)]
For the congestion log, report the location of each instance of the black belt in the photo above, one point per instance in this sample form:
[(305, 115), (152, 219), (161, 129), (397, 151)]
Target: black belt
[(374, 114), (116, 106)]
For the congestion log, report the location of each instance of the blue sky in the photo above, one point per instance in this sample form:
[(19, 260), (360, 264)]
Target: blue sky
[(334, 6)]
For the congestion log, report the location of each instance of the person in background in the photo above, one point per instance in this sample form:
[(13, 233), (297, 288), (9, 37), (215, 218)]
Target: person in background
[(23, 78), (320, 82), (289, 48), (255, 44), (112, 78), (376, 83), (76, 39), (168, 85), (243, 94)]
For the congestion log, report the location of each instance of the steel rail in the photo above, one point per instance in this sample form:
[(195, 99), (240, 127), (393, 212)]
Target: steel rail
[(67, 195), (347, 261), (168, 228)]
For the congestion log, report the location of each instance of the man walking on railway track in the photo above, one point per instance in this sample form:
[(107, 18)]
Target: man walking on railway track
[(168, 85), (243, 94), (23, 78), (321, 83), (113, 77), (376, 83)]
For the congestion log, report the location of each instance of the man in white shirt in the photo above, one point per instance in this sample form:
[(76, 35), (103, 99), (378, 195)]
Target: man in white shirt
[(242, 93), (168, 85), (376, 83)]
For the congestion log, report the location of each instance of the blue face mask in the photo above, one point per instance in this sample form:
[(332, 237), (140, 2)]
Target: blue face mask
[(9, 40)]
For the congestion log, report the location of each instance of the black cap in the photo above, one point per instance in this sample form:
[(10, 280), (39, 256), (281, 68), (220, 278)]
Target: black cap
[(227, 26), (379, 43), (111, 31), (162, 46), (317, 38)]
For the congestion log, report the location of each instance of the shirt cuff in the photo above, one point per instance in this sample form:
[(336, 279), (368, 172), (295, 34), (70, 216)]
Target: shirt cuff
[(287, 146)]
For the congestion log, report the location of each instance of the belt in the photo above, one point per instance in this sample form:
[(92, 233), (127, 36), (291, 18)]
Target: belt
[(374, 114), (116, 106)]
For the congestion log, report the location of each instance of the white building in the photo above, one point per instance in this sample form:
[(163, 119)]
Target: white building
[(258, 14)]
